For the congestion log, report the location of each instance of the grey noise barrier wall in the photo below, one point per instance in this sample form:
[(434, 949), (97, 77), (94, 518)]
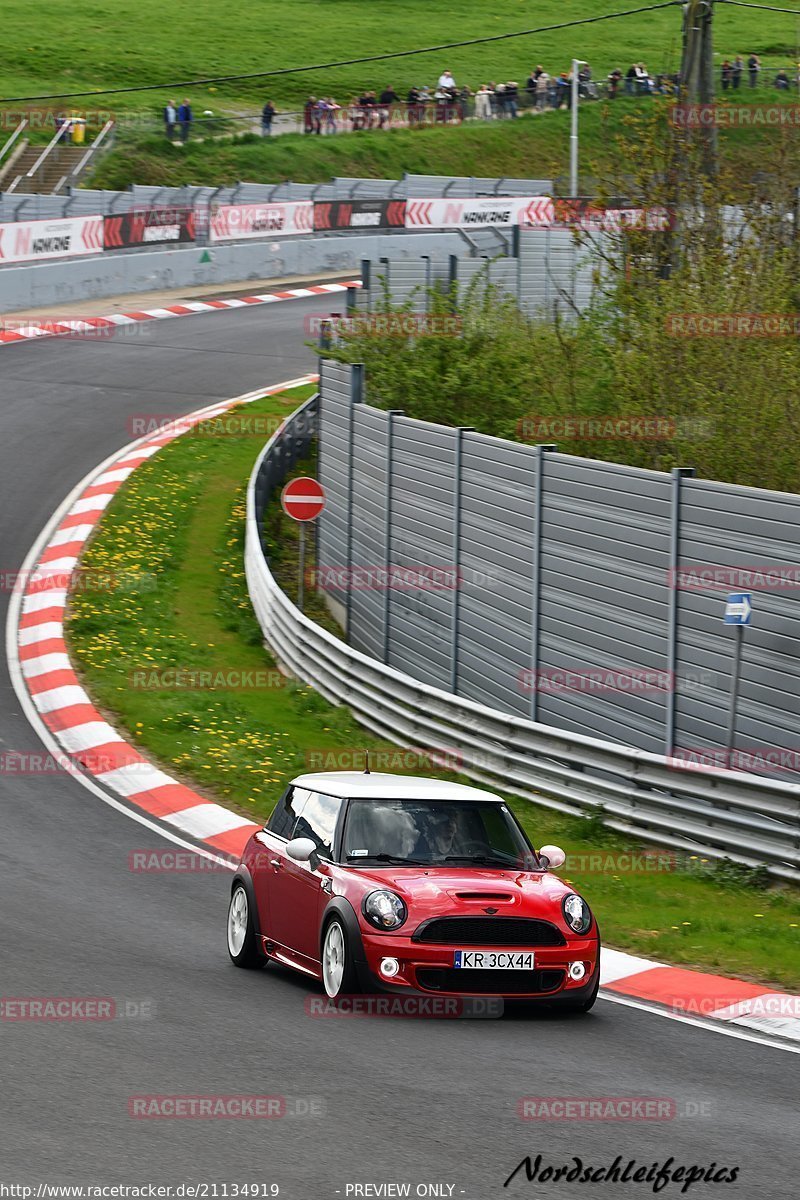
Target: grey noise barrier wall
[(544, 585)]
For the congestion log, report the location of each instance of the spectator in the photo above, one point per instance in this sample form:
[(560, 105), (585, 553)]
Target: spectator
[(416, 110), (782, 81), (170, 117), (494, 100), (185, 119), (563, 90), (753, 67), (643, 85), (462, 100), (530, 87), (511, 99), (267, 117), (387, 98), (308, 114), (630, 80), (725, 73), (446, 81), (542, 89), (483, 103), (736, 71), (613, 83)]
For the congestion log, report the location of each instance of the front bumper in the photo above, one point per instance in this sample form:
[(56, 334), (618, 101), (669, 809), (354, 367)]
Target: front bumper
[(428, 968)]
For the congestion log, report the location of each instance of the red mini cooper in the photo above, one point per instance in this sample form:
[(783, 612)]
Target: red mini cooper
[(387, 882)]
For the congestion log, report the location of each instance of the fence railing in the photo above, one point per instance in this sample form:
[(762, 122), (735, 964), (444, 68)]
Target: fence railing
[(77, 171), (718, 814)]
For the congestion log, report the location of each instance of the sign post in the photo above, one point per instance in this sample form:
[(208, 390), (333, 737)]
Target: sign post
[(303, 500), (738, 611)]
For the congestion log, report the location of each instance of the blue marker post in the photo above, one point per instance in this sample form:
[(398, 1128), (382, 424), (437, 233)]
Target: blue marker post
[(738, 611)]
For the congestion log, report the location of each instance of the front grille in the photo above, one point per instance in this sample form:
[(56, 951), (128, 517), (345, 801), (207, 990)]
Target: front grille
[(489, 931), (481, 983)]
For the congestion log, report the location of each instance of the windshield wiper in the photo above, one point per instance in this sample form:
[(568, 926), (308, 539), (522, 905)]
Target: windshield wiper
[(394, 859)]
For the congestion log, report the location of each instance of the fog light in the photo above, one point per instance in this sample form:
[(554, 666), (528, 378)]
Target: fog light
[(577, 970), (389, 967)]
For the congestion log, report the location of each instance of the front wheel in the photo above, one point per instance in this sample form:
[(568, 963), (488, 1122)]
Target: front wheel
[(580, 1004), (242, 941), (338, 972)]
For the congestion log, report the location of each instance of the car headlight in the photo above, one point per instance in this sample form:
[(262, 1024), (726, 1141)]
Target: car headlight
[(385, 910), (576, 913)]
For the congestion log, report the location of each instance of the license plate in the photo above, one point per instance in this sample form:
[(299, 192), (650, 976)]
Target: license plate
[(494, 960)]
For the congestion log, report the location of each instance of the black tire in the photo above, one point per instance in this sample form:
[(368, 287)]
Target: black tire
[(348, 983), (241, 935)]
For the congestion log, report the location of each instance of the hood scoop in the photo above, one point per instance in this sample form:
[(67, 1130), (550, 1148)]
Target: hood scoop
[(502, 897)]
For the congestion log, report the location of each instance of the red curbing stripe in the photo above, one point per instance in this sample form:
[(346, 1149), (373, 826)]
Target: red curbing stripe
[(66, 718), (166, 799), (680, 988), (54, 645), (108, 756), (234, 841), (66, 550), (42, 617), (65, 677), (83, 518)]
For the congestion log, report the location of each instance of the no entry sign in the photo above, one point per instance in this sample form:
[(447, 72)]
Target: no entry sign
[(303, 499)]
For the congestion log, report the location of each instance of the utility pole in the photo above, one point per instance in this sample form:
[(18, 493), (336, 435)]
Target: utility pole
[(697, 72)]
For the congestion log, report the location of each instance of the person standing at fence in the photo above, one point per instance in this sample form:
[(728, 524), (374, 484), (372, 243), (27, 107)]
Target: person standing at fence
[(614, 79), (387, 98), (542, 89), (170, 118), (736, 71), (753, 67), (185, 118), (725, 75), (446, 82), (511, 98), (267, 117), (483, 103)]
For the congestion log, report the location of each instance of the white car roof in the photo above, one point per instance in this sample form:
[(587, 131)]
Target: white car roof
[(378, 786)]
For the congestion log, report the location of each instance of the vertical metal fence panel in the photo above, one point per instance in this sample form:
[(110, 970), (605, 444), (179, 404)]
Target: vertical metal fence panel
[(369, 529), (604, 601), (335, 406), (498, 488), (745, 530), (420, 614)]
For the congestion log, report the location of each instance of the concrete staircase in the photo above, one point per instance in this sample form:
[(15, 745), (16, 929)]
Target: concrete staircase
[(60, 161)]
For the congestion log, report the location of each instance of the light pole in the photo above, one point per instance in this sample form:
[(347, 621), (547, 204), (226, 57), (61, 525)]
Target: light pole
[(573, 137)]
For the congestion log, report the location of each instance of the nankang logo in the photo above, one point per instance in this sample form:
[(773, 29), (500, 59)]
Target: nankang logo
[(50, 245)]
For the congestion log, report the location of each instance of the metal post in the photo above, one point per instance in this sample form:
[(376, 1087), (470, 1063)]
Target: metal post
[(454, 627), (302, 567), (356, 396), (573, 137), (736, 672), (387, 550), (678, 473), (536, 573)]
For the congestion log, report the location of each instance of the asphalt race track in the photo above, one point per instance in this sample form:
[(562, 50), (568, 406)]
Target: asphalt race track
[(392, 1100)]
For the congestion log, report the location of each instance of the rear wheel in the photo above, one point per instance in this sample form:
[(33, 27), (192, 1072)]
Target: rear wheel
[(338, 971), (242, 941)]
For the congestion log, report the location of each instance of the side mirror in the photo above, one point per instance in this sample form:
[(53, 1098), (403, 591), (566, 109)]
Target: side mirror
[(301, 849), (552, 857)]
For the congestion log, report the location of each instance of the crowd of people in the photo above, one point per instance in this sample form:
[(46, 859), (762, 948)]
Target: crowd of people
[(449, 102)]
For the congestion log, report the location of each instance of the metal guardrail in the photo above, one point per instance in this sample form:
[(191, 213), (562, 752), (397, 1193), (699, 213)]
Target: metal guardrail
[(11, 141), (717, 814)]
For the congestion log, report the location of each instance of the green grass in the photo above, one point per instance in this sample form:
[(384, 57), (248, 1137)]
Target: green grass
[(175, 532), (103, 44)]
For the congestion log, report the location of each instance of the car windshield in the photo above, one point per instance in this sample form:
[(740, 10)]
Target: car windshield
[(435, 833)]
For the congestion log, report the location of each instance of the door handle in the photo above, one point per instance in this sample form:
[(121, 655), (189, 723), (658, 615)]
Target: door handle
[(275, 862)]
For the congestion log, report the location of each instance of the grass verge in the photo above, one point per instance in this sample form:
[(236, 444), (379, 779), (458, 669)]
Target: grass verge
[(175, 533)]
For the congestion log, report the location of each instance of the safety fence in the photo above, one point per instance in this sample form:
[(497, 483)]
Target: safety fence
[(716, 813)]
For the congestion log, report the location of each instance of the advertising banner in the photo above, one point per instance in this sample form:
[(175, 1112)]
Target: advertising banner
[(472, 214), (29, 241), (229, 222), (149, 226), (360, 214)]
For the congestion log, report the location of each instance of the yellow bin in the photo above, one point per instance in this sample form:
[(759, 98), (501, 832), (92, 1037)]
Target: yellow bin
[(78, 130)]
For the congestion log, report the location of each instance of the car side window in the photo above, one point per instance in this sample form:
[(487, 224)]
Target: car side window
[(318, 821), (287, 811)]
